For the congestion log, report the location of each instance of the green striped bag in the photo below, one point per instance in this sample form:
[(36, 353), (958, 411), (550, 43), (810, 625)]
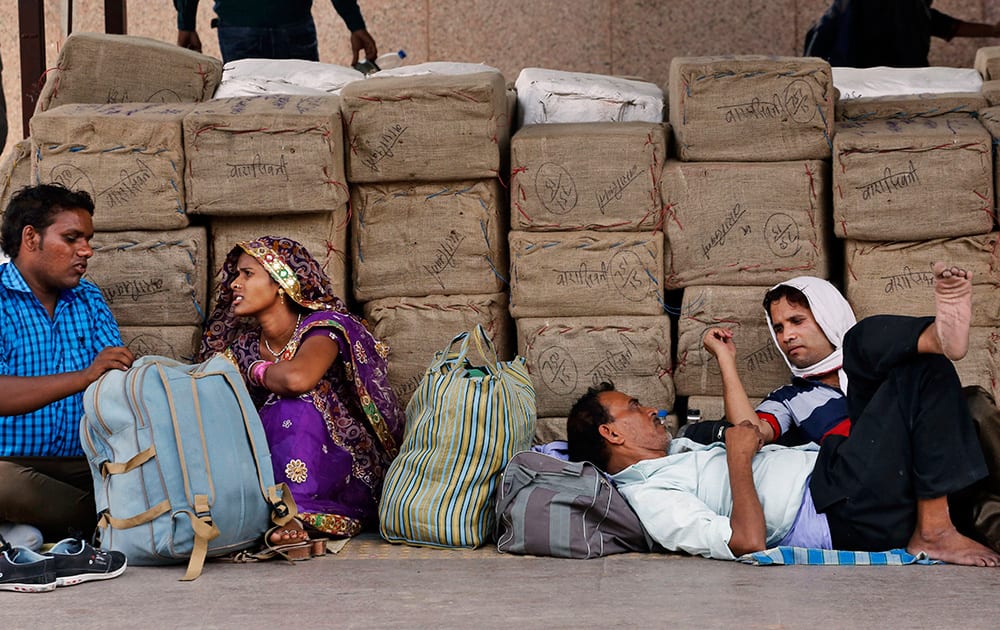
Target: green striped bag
[(463, 424)]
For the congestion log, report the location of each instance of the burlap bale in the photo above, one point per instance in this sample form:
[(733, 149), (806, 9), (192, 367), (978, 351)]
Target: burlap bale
[(428, 127), (745, 223), (710, 407), (566, 355), (549, 430), (265, 155), (987, 62), (576, 176), (751, 108), (979, 367), (991, 92), (15, 172), (990, 118), (428, 239), (758, 360), (177, 342), (912, 180), (129, 157), (324, 234), (152, 278), (586, 273), (897, 277), (909, 106), (99, 68), (416, 328)]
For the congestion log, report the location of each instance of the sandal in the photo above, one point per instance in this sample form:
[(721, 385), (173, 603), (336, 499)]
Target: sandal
[(293, 551)]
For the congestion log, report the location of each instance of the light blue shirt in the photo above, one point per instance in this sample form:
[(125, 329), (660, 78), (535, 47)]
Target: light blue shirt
[(684, 500), (33, 344)]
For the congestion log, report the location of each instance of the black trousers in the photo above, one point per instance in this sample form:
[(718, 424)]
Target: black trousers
[(912, 437)]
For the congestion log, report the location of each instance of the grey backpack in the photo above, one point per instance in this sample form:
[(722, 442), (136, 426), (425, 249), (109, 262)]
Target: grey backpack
[(550, 507)]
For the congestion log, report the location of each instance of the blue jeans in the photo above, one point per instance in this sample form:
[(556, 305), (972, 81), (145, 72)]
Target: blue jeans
[(291, 41)]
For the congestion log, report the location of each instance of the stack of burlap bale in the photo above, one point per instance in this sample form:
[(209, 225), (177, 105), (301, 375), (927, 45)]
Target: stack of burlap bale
[(586, 241), (270, 166), (987, 62), (746, 206), (428, 223), (109, 121), (913, 184)]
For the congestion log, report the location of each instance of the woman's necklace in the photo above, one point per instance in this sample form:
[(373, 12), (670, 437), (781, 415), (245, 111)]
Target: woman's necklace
[(279, 353)]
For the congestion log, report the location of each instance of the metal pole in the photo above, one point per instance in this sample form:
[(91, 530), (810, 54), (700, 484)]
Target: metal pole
[(115, 20), (31, 21)]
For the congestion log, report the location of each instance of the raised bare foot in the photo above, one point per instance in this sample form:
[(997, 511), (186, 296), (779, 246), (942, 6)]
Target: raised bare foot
[(950, 546), (953, 309)]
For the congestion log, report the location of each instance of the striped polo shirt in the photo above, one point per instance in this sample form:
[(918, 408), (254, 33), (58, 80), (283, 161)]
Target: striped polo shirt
[(815, 408)]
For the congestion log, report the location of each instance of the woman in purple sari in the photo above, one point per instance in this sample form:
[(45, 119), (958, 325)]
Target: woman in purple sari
[(317, 376)]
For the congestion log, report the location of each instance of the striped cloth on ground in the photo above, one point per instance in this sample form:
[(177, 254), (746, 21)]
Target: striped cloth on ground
[(803, 555)]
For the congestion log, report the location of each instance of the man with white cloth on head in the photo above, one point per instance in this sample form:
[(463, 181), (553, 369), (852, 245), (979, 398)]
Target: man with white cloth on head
[(881, 402), (892, 446)]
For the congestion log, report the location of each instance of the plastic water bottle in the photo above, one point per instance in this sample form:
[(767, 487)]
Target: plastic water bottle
[(382, 62), (661, 415), (390, 60)]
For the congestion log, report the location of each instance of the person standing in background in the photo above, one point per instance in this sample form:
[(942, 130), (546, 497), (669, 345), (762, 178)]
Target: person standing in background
[(896, 33), (270, 29)]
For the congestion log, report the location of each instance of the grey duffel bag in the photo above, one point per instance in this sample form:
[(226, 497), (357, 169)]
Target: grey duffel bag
[(550, 507)]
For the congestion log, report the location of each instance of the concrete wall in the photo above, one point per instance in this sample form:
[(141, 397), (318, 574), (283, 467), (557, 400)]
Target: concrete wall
[(627, 37)]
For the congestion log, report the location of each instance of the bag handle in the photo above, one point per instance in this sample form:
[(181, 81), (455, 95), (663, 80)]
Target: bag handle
[(483, 346)]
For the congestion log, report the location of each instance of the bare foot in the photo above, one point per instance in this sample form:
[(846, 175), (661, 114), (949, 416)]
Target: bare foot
[(950, 546), (953, 309), (291, 534)]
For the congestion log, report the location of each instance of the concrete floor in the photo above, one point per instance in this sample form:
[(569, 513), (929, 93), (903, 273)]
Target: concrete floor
[(372, 584)]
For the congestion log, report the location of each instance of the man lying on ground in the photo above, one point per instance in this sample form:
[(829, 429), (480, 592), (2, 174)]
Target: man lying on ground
[(878, 481)]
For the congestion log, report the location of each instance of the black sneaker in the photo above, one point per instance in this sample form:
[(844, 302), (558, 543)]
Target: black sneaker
[(25, 571), (76, 561)]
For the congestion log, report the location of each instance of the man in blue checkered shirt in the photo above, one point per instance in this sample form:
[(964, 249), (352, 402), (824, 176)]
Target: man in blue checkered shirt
[(57, 336)]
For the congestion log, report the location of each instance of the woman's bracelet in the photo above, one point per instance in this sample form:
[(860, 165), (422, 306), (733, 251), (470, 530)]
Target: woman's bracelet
[(256, 371)]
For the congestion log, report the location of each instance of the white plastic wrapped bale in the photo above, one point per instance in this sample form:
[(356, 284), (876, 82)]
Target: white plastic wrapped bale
[(427, 127), (751, 108), (129, 157), (99, 68), (152, 278), (256, 77), (586, 273), (987, 62), (758, 360), (556, 96), (450, 68), (980, 366), (883, 81), (566, 355), (574, 176), (897, 277), (745, 223), (15, 172), (910, 106), (416, 328), (912, 180), (180, 343), (428, 239), (265, 155), (324, 234)]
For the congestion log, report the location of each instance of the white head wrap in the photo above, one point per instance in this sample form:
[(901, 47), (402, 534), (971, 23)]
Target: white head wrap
[(833, 315)]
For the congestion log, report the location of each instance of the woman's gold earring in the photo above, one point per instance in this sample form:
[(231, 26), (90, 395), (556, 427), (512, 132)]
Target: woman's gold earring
[(281, 295)]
